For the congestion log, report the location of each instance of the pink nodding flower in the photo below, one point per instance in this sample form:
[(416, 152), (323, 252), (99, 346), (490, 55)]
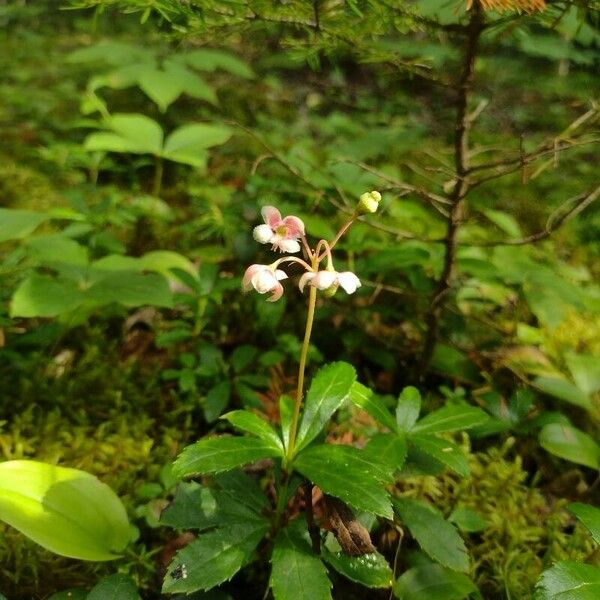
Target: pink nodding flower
[(283, 234), (264, 278), (324, 280)]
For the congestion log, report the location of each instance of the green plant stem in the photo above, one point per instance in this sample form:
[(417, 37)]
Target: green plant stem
[(158, 175), (312, 302)]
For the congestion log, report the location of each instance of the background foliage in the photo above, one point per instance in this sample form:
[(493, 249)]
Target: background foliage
[(140, 139)]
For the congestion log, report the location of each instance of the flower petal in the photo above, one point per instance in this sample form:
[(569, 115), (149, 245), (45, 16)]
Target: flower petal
[(277, 293), (349, 281), (271, 216), (306, 278), (324, 279), (264, 280), (263, 234), (285, 245), (250, 272), (294, 226), (279, 274)]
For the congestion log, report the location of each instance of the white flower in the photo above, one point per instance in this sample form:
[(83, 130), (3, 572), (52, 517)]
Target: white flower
[(264, 278), (282, 233), (325, 280)]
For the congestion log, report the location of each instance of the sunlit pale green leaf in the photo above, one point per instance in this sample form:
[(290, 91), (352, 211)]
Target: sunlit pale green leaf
[(67, 511), (16, 224)]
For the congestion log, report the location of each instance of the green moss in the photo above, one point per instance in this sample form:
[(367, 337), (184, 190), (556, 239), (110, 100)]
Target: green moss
[(96, 413), (526, 531)]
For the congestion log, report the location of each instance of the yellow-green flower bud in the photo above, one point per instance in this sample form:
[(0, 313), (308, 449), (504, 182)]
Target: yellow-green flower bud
[(368, 203)]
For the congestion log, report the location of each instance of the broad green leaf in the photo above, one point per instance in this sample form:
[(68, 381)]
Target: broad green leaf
[(435, 535), (590, 516), (563, 390), (162, 261), (297, 573), (252, 423), (571, 444), (17, 224), (328, 391), (569, 580), (349, 474), (585, 369), (43, 296), (200, 507), (114, 587), (370, 570), (446, 452), (162, 86), (213, 558), (408, 408), (286, 408), (468, 520), (132, 289), (215, 455), (364, 398), (56, 248), (452, 417), (433, 582), (388, 448), (66, 511), (130, 132), (504, 221), (216, 399), (188, 144), (207, 59)]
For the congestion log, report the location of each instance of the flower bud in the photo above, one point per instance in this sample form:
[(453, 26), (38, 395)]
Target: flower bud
[(368, 203)]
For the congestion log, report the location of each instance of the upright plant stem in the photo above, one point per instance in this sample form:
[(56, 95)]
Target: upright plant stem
[(312, 302), (460, 190)]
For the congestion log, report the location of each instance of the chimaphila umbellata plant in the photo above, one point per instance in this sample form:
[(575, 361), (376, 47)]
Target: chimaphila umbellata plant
[(236, 513)]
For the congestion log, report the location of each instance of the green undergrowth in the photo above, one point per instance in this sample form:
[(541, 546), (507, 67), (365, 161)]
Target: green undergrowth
[(526, 529), (108, 417)]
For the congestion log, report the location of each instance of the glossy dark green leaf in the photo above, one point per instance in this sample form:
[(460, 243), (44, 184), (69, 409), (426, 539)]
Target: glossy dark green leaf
[(571, 444), (200, 507), (218, 454), (388, 448), (370, 570), (408, 408), (328, 391), (297, 572), (349, 474), (443, 451), (433, 582), (435, 535), (213, 558), (453, 417), (569, 580), (364, 398), (114, 587), (590, 516), (252, 423)]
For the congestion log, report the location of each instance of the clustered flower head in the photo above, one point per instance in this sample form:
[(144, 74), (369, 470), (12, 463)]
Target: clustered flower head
[(287, 234)]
